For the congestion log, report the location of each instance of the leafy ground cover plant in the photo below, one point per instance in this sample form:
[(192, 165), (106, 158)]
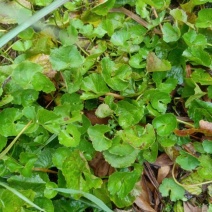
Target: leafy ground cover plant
[(106, 105)]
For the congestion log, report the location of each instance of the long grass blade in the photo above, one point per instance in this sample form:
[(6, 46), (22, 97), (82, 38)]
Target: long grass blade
[(88, 196), (21, 196), (33, 19)]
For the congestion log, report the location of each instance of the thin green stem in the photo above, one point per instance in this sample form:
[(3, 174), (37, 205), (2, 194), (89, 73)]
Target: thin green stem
[(3, 153), (32, 20), (186, 123)]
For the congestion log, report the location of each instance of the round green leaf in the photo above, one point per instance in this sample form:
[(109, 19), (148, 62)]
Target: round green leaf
[(165, 124)]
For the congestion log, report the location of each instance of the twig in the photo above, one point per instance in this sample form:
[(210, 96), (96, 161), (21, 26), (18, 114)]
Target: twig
[(135, 18)]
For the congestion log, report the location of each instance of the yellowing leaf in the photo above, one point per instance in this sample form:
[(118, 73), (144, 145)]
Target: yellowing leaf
[(155, 64)]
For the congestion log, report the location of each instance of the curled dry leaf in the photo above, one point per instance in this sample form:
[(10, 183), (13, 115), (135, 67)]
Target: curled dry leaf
[(163, 173)]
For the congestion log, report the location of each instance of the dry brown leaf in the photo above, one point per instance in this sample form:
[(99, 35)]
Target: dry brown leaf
[(205, 125), (143, 205), (100, 166), (163, 160), (188, 207), (162, 173)]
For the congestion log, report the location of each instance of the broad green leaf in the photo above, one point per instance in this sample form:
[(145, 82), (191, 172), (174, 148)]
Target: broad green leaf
[(205, 168), (44, 203), (97, 135), (121, 149), (69, 35), (155, 64), (179, 15), (48, 192), (104, 7), (200, 110), (129, 113), (69, 137), (187, 161), (42, 83), (103, 111), (22, 46), (6, 99), (192, 38), (207, 146), (204, 19), (117, 76), (122, 183), (94, 86), (202, 77), (24, 73), (77, 173), (44, 159), (165, 124), (8, 119), (160, 100), (198, 56), (138, 136), (169, 187), (66, 57), (117, 161), (158, 4), (170, 33), (120, 37), (59, 156)]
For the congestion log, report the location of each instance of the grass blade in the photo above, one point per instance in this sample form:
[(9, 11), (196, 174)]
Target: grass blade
[(88, 196), (21, 196), (33, 19)]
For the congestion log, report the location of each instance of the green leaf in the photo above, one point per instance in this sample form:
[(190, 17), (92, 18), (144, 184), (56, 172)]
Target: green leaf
[(42, 83), (59, 156), (165, 124), (205, 168), (179, 15), (198, 56), (200, 110), (169, 187), (170, 33), (8, 119), (97, 135), (192, 38), (129, 113), (122, 183), (207, 146), (28, 70), (69, 137), (202, 77), (204, 19), (77, 173), (155, 64), (94, 86), (120, 161), (136, 136), (104, 7), (117, 76), (187, 161), (66, 57), (159, 101), (22, 46), (103, 111), (120, 37)]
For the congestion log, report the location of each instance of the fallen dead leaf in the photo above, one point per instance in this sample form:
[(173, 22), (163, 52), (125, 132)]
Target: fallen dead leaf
[(162, 173)]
